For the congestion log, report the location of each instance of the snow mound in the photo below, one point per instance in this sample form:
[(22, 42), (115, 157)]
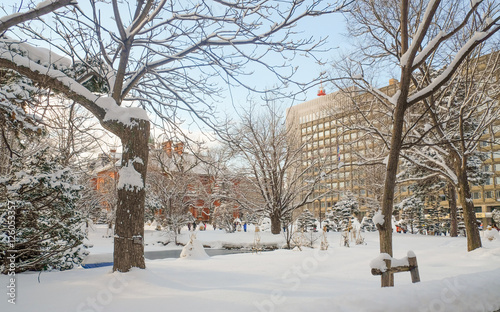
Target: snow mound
[(378, 218), (491, 234), (194, 250)]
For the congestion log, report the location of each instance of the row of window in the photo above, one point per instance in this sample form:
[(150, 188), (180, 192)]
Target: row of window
[(322, 114), (486, 194), (362, 192)]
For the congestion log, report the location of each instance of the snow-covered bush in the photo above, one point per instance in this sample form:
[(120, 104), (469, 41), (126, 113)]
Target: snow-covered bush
[(496, 216), (491, 234), (265, 224), (41, 195), (367, 224), (412, 214), (194, 250), (346, 208), (306, 221)]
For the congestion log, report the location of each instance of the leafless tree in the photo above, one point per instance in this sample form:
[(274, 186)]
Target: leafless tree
[(273, 158), (460, 116), (412, 38), (165, 56), (73, 132), (172, 194)]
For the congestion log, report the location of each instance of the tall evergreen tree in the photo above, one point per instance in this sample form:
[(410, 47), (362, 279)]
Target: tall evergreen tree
[(347, 207), (48, 229), (306, 221), (412, 213)]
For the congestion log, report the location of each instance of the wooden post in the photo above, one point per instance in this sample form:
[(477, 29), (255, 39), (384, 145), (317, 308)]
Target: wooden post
[(415, 276), (387, 276)]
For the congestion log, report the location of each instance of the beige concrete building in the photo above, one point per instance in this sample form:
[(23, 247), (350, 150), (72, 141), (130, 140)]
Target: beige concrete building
[(327, 128)]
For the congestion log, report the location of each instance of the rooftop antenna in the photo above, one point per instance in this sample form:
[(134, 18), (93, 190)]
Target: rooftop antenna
[(321, 91)]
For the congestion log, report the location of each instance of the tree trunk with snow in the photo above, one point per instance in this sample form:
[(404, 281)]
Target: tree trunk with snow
[(129, 226), (385, 230), (452, 200), (464, 194), (275, 223)]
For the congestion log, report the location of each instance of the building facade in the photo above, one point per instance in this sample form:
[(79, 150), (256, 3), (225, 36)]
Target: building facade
[(329, 128)]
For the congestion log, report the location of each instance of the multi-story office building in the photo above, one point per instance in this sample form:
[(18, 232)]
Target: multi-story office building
[(329, 128)]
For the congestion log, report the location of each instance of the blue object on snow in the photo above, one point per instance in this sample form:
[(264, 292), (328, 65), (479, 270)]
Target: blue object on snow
[(97, 261), (96, 265)]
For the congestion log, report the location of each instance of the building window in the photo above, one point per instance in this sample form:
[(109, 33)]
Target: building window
[(362, 192), (496, 154), (478, 209), (488, 194), (486, 168), (489, 181), (476, 195), (497, 167)]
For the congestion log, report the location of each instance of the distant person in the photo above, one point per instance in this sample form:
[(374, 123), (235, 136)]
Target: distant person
[(245, 227)]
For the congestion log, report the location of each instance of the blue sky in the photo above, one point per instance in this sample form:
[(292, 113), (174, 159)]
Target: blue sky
[(331, 26)]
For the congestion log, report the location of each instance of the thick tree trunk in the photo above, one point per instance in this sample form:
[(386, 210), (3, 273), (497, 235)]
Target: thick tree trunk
[(129, 226), (275, 223), (452, 200), (471, 228)]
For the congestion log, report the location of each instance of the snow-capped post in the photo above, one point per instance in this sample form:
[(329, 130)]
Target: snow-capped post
[(385, 266)]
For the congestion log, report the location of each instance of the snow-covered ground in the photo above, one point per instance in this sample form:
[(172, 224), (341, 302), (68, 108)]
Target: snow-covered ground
[(338, 279)]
